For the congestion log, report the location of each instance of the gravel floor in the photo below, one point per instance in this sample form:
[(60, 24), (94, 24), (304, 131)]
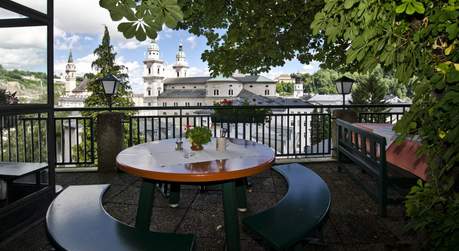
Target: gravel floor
[(353, 223)]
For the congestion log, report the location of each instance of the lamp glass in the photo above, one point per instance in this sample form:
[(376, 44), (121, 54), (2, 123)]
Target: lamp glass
[(344, 85), (109, 86)]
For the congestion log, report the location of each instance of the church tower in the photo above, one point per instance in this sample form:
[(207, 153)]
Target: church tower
[(181, 66), (153, 76), (70, 74), (298, 88)]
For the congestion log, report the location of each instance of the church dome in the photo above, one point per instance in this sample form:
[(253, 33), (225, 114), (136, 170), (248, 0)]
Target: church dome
[(180, 53), (153, 45)]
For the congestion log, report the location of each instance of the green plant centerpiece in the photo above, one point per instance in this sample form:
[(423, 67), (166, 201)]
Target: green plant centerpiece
[(198, 136), (226, 112)]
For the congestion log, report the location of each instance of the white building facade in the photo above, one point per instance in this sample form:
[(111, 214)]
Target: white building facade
[(182, 90)]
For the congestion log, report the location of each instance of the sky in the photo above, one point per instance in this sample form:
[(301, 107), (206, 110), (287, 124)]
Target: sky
[(79, 26)]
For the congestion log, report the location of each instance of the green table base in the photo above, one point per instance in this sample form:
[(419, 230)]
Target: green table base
[(145, 207), (233, 197)]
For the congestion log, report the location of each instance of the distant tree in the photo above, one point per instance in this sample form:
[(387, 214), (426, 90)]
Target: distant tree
[(370, 89), (321, 82), (319, 126), (105, 64), (283, 88)]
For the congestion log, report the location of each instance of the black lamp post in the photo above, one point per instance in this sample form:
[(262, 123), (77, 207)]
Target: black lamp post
[(344, 87), (110, 83)]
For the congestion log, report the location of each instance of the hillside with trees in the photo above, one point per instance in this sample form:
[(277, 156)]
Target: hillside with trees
[(28, 86)]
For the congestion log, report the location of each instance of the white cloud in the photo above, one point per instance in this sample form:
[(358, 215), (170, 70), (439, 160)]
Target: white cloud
[(198, 72), (23, 37), (311, 68), (23, 58), (135, 72), (192, 41), (66, 41), (132, 44)]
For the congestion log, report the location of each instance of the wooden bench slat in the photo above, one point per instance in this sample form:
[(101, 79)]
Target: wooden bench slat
[(298, 213), (76, 220)]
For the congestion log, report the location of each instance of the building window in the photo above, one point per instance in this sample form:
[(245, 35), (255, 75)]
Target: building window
[(175, 103), (183, 87), (266, 92), (149, 70), (194, 87), (158, 70), (173, 87), (231, 85), (230, 92), (175, 113), (164, 113), (187, 103), (266, 86), (149, 103), (216, 92), (199, 104), (149, 92), (250, 86), (164, 104), (178, 74)]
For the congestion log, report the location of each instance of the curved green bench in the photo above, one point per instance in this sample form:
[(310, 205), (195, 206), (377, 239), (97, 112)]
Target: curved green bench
[(76, 220), (298, 214)]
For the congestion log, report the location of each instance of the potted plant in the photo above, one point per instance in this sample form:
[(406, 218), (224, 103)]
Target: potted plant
[(225, 112), (198, 136)]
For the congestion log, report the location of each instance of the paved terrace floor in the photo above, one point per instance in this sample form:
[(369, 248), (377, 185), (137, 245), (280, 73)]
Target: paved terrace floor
[(353, 222)]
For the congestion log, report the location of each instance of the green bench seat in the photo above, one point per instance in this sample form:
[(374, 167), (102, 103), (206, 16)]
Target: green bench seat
[(298, 214), (76, 220)]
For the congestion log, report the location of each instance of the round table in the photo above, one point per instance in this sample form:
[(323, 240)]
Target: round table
[(155, 162)]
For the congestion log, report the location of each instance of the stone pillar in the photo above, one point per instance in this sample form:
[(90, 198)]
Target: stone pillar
[(109, 138), (346, 115)]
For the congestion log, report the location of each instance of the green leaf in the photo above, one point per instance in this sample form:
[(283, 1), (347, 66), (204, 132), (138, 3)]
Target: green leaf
[(419, 7), (117, 13), (452, 76), (410, 9), (140, 35), (349, 3), (401, 8)]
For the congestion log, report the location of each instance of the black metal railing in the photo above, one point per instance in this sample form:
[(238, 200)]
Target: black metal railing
[(293, 131), (298, 134)]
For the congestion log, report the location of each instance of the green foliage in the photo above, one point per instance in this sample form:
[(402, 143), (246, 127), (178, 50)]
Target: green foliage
[(105, 64), (7, 98), (244, 113), (28, 83), (320, 126), (284, 89), (252, 36), (369, 89), (417, 40), (144, 18), (198, 135), (321, 82)]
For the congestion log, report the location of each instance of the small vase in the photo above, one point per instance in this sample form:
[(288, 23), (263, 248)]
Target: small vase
[(196, 147)]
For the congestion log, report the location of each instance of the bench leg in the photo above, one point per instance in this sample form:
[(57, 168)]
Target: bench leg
[(230, 216), (241, 188), (174, 196), (382, 196), (145, 207)]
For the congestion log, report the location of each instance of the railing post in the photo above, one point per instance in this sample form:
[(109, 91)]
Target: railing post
[(109, 134)]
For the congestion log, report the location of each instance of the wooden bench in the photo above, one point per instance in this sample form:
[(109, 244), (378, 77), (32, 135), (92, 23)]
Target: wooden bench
[(298, 214), (76, 220)]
